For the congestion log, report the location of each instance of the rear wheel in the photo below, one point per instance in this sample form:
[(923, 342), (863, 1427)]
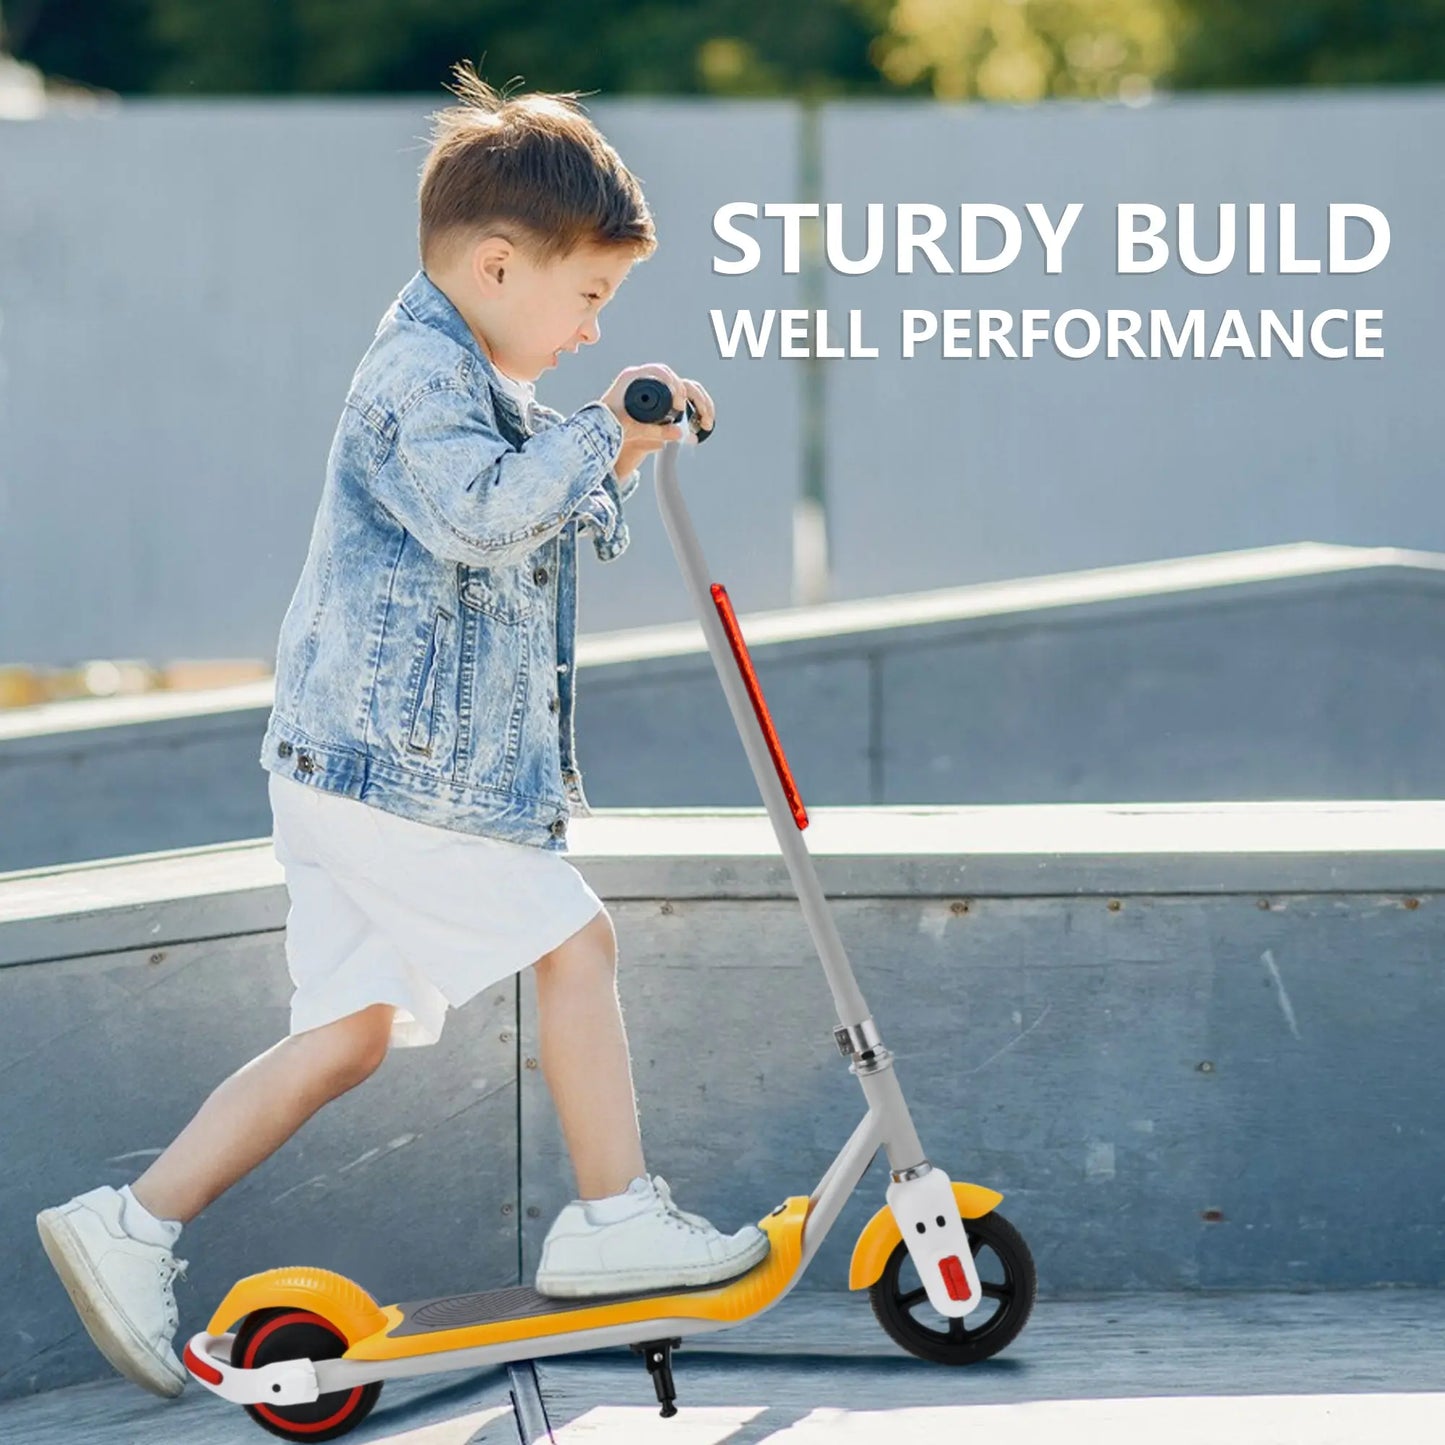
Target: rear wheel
[(1009, 1284), (267, 1336)]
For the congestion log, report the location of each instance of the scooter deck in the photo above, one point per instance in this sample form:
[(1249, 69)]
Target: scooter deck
[(517, 1302), (503, 1316)]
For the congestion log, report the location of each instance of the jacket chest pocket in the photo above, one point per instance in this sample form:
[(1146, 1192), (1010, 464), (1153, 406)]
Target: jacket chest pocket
[(423, 712), (509, 594)]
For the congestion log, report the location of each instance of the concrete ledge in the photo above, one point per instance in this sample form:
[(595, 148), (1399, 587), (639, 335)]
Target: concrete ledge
[(192, 894), (1195, 1048)]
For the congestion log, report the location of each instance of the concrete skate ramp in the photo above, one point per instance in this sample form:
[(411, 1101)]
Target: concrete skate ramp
[(1195, 1046), (1291, 672)]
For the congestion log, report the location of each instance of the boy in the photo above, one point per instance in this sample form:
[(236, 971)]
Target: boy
[(420, 747)]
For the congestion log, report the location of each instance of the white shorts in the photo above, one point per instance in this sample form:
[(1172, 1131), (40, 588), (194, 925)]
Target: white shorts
[(388, 910)]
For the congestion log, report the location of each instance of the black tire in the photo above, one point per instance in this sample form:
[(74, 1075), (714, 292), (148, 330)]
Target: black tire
[(266, 1336), (1009, 1280)]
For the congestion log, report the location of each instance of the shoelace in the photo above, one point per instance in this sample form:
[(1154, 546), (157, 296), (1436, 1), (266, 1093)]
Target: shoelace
[(170, 1269), (688, 1221)]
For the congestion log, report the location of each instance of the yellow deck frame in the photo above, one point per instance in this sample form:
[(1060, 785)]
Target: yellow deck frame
[(366, 1324)]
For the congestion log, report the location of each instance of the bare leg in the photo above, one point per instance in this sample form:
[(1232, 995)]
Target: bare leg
[(249, 1116), (585, 1059)]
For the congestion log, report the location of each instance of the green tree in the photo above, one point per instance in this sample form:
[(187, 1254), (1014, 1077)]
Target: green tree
[(720, 47), (1016, 50), (1022, 50), (98, 42), (1247, 43)]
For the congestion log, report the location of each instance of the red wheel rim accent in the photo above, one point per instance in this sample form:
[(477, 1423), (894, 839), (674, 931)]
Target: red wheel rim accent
[(296, 1317), (199, 1368)]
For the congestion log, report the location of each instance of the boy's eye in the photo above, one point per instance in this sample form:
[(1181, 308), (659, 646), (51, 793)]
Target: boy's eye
[(593, 296)]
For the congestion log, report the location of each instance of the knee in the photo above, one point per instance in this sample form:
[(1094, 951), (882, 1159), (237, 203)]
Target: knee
[(589, 953), (349, 1051), (601, 938)]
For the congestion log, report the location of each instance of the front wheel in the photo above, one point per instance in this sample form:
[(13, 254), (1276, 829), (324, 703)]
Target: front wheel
[(267, 1336), (1009, 1283)]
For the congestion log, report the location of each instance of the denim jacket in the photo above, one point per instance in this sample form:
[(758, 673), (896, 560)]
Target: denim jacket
[(426, 661)]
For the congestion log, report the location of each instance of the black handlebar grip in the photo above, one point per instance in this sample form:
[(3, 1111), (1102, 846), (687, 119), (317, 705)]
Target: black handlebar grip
[(649, 400)]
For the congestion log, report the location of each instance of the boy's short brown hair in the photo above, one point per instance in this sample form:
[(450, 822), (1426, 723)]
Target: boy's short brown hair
[(532, 168)]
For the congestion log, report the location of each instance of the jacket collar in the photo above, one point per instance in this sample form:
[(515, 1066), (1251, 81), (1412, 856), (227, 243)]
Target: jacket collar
[(424, 301)]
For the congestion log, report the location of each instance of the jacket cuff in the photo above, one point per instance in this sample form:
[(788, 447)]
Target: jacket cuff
[(600, 430)]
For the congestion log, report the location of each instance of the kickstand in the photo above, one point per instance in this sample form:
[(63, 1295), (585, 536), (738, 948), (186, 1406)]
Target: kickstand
[(658, 1354), (527, 1407)]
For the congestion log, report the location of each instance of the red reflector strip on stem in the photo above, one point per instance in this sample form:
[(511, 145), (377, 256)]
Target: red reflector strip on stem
[(760, 706)]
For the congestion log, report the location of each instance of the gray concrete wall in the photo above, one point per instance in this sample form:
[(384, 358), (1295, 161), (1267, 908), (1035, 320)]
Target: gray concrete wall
[(1195, 1047), (178, 321), (1323, 685), (180, 318), (941, 471), (1299, 673)]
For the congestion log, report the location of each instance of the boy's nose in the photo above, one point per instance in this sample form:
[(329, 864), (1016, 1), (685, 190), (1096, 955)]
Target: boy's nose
[(591, 333)]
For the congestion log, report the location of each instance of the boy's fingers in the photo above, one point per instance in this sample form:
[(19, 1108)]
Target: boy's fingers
[(706, 411), (658, 435)]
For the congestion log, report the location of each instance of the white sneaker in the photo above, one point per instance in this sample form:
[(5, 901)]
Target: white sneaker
[(655, 1246), (121, 1287)]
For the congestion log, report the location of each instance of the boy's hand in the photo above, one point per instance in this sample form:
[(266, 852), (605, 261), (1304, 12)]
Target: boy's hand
[(641, 438)]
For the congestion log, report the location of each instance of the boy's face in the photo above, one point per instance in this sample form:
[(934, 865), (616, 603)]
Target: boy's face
[(535, 311)]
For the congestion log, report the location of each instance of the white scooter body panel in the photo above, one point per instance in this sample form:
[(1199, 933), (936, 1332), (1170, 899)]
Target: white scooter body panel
[(927, 1215)]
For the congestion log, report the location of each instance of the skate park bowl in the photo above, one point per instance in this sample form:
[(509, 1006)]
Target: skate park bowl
[(1194, 1045)]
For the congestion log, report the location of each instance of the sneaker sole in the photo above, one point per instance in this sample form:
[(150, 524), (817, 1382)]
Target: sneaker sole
[(106, 1324), (640, 1281)]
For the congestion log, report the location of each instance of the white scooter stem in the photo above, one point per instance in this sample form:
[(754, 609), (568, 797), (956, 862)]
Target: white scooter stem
[(920, 1195), (846, 994)]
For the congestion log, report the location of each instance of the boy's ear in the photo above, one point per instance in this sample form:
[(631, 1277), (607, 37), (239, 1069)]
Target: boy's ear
[(489, 263)]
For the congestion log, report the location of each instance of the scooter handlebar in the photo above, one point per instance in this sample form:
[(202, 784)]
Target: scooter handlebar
[(649, 400)]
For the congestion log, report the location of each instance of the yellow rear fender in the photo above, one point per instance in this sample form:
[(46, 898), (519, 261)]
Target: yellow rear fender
[(881, 1235), (333, 1296)]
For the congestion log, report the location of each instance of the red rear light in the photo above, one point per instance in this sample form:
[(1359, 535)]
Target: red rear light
[(760, 706)]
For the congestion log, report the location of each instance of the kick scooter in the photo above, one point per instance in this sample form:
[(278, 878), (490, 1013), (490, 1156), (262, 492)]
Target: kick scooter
[(306, 1351)]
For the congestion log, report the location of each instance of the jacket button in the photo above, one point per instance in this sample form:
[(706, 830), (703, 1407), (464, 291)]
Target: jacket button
[(305, 763), (558, 828), (283, 750), (539, 576)]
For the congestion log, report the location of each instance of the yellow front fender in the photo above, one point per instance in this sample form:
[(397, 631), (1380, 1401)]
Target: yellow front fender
[(333, 1296), (881, 1235)]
